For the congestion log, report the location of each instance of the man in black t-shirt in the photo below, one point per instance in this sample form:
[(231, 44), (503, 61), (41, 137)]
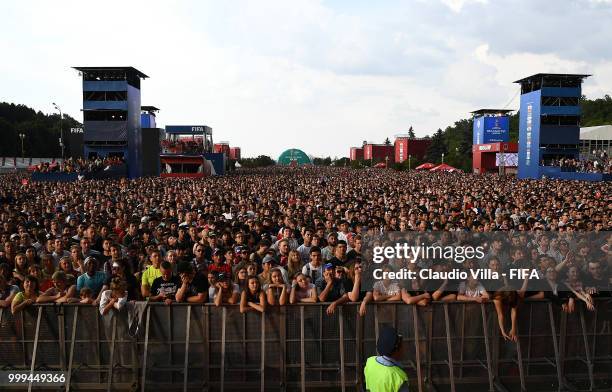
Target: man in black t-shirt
[(164, 288), (442, 289), (339, 258), (194, 288), (597, 282)]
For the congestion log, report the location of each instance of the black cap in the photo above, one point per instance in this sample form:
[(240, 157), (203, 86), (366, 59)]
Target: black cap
[(184, 267), (388, 340)]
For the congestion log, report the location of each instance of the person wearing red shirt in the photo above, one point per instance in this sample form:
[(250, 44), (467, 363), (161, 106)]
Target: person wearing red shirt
[(219, 265)]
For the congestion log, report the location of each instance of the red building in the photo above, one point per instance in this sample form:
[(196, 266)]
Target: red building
[(484, 156), (222, 147), (234, 153), (356, 153), (405, 146), (378, 152)]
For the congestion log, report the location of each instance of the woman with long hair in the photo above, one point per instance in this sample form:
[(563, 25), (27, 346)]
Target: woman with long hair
[(277, 290), (294, 264), (253, 298), (241, 278), (28, 296), (302, 290), (76, 259), (21, 268)]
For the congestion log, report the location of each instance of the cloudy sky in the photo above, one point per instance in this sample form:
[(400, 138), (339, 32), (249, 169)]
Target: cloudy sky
[(317, 75)]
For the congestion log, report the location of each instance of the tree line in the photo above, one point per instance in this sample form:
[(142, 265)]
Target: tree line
[(42, 131)]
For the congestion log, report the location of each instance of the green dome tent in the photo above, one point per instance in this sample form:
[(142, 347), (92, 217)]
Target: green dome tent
[(293, 156)]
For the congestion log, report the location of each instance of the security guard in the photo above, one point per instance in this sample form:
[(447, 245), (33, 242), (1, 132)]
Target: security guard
[(383, 373)]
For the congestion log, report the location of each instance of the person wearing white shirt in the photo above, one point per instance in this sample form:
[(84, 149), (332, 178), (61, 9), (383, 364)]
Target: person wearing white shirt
[(314, 269), (304, 249), (115, 298)]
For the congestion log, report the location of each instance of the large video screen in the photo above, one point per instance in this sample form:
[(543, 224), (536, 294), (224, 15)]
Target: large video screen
[(506, 159)]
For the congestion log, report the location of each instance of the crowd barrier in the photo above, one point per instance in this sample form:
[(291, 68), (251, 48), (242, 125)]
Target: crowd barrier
[(299, 347)]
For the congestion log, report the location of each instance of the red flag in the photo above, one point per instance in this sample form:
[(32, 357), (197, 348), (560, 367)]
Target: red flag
[(24, 181)]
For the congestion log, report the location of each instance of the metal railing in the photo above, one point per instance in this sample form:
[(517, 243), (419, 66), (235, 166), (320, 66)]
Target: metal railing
[(300, 347)]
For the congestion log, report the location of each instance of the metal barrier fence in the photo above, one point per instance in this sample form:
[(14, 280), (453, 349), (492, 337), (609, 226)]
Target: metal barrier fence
[(300, 347)]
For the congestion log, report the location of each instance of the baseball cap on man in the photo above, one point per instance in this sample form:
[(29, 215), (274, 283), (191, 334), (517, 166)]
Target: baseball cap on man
[(184, 267), (217, 252), (388, 340), (268, 259)]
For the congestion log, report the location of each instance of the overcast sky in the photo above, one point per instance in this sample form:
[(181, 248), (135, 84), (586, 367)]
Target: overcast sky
[(320, 76)]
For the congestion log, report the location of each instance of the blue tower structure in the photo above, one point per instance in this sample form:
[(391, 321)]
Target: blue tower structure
[(148, 116), (112, 114), (491, 126), (549, 127)]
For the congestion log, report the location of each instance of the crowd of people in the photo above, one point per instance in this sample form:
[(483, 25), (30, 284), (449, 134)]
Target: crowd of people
[(601, 163), (182, 146), (275, 237), (78, 165)]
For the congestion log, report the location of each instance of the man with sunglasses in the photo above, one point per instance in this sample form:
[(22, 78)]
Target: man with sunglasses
[(383, 373), (333, 287)]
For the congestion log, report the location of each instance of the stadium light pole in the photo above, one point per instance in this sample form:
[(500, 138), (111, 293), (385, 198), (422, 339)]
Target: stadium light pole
[(22, 136), (61, 129)]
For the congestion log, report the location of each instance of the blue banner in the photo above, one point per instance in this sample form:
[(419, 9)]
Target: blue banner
[(496, 129), (491, 129)]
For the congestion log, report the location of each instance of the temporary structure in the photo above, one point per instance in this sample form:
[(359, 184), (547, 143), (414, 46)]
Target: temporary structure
[(444, 167), (425, 166)]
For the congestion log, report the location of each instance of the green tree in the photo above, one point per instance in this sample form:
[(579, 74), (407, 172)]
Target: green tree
[(436, 148), (411, 134), (458, 141), (42, 131), (260, 161), (342, 162), (322, 161)]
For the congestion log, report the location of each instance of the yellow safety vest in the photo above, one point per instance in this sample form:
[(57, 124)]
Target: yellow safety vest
[(382, 378)]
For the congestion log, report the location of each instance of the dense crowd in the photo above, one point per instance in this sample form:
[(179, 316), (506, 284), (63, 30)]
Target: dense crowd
[(599, 164), (182, 146), (78, 165), (273, 237)]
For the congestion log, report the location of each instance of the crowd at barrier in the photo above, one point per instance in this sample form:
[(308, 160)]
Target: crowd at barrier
[(78, 165), (284, 236), (601, 164), (182, 146)]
